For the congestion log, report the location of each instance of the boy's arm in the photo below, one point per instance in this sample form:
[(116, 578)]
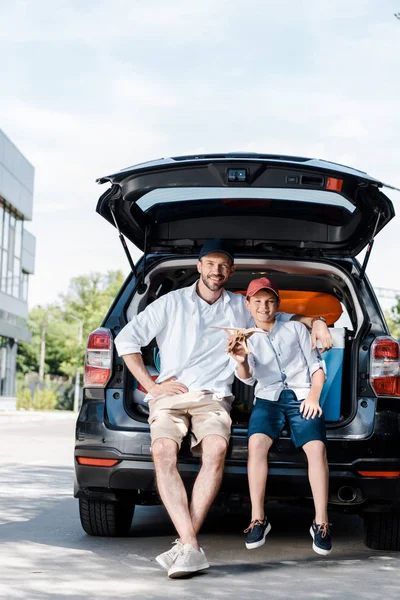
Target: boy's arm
[(243, 371), (310, 407)]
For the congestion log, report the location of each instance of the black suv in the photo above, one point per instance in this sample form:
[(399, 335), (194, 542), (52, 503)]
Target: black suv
[(302, 221)]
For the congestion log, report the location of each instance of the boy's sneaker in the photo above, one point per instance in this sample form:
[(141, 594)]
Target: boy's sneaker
[(189, 560), (256, 533), (321, 535), (166, 559)]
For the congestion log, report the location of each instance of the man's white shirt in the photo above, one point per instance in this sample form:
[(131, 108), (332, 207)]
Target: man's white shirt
[(189, 349), (283, 359)]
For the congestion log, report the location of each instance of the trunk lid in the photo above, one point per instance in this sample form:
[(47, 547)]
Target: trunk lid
[(259, 202)]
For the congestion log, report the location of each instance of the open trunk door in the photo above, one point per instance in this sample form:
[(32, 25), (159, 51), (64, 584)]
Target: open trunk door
[(273, 203)]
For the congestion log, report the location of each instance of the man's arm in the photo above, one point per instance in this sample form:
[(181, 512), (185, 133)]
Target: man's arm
[(170, 387), (319, 331), (138, 333)]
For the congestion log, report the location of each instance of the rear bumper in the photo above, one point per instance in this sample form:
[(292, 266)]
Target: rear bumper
[(289, 482)]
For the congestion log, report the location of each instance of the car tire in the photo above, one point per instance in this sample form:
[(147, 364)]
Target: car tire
[(382, 531), (105, 518)]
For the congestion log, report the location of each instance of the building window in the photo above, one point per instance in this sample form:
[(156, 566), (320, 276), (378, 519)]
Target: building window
[(11, 226), (24, 286)]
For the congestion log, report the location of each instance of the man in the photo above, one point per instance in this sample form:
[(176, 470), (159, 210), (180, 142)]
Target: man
[(290, 376), (194, 386)]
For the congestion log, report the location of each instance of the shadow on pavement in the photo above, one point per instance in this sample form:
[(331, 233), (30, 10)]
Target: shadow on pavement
[(45, 553)]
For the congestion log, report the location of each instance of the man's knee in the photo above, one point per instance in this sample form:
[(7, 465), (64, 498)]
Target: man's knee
[(214, 449), (164, 452)]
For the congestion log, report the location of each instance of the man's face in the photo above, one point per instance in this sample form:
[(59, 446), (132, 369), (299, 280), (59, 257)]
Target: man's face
[(215, 270), (263, 306)]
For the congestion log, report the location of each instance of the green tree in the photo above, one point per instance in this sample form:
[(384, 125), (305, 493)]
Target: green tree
[(393, 321), (88, 299)]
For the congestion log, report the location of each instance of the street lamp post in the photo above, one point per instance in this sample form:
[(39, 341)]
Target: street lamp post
[(78, 373)]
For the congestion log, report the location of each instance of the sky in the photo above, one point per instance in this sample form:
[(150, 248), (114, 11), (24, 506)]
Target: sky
[(88, 88)]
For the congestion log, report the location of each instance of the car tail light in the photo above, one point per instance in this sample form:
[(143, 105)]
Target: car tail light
[(379, 473), (97, 462), (335, 185), (385, 367), (99, 355)]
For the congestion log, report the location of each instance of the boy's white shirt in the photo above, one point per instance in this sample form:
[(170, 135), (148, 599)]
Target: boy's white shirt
[(282, 359), (176, 323)]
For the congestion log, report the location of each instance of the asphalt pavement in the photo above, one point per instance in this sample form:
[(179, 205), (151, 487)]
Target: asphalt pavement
[(44, 552)]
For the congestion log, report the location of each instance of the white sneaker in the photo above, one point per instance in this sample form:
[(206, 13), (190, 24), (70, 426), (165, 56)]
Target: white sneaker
[(189, 560), (166, 559)]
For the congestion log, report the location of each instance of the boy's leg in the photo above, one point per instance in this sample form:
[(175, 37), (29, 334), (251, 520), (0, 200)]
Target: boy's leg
[(318, 475), (257, 470), (310, 435)]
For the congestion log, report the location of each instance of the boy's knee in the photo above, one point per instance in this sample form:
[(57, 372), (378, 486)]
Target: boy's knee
[(315, 449), (259, 442)]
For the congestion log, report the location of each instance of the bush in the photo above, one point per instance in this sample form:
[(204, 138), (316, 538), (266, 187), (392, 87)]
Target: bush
[(24, 397), (45, 396)]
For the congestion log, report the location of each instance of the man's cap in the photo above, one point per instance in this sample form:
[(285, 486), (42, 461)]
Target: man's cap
[(217, 245), (262, 284)]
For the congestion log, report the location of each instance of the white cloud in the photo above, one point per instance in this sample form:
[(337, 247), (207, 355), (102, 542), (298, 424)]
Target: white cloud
[(347, 128), (89, 88)]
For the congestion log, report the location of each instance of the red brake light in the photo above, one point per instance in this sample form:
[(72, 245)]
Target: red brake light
[(99, 355), (96, 462), (379, 473), (335, 185), (385, 367), (95, 376), (386, 348), (99, 340)]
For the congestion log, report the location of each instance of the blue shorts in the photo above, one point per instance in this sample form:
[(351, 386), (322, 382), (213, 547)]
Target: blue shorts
[(269, 416)]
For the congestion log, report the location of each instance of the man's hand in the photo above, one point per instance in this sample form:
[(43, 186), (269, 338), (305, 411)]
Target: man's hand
[(169, 387), (321, 332), (310, 408)]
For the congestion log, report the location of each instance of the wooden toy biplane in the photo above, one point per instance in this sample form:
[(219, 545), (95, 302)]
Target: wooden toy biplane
[(239, 335)]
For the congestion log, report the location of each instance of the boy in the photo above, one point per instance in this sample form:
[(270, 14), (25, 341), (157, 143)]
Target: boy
[(290, 376)]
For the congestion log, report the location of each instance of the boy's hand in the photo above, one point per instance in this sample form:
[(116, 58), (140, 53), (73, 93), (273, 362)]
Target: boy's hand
[(310, 408), (239, 354)]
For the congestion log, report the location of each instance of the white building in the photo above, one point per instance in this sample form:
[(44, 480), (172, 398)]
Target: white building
[(17, 261)]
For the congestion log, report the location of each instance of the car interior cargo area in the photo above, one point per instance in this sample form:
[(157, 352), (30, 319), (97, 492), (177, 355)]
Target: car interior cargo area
[(306, 288)]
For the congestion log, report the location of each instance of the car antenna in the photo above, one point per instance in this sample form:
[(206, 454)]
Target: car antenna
[(369, 248), (121, 237)]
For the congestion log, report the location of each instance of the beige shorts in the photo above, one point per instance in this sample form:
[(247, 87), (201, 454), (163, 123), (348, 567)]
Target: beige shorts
[(202, 413)]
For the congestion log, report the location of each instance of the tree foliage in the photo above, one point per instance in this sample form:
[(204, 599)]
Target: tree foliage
[(393, 320), (87, 300)]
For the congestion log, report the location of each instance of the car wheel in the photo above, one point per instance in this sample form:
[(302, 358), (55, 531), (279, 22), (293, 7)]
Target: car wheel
[(105, 518), (382, 531)]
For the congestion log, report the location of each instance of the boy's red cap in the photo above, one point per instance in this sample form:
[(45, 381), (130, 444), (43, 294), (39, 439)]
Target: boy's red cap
[(262, 284)]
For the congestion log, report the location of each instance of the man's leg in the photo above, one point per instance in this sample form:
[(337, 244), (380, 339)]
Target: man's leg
[(209, 479), (171, 489), (257, 471), (318, 475)]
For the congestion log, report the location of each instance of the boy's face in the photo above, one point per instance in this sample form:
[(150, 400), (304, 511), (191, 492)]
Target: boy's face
[(262, 307)]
